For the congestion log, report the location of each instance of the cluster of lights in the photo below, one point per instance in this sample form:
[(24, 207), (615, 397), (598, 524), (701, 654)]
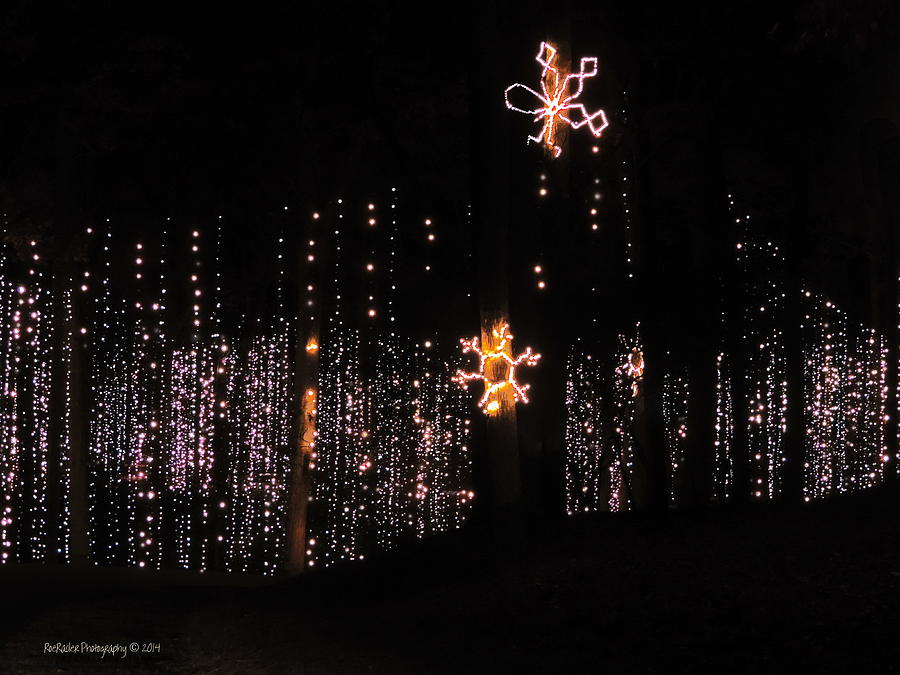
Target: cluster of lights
[(146, 400), (194, 370), (188, 440), (109, 414), (392, 457), (539, 272), (162, 415), (557, 99), (602, 396), (625, 394), (588, 448), (343, 455), (543, 191), (845, 402), (600, 411), (256, 412), (675, 397), (26, 380), (259, 418), (765, 376), (443, 463), (189, 455), (129, 380), (189, 465)]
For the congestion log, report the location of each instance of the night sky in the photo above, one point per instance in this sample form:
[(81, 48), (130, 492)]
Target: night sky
[(206, 107)]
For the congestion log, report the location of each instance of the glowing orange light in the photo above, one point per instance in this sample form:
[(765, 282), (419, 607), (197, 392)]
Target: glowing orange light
[(492, 365), (312, 346), (558, 103), (634, 368)]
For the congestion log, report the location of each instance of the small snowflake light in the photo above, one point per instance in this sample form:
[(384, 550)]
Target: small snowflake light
[(633, 368), (497, 369), (557, 101)]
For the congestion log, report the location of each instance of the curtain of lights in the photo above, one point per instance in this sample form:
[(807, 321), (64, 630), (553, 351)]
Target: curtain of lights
[(35, 355), (190, 437), (27, 364), (845, 402), (588, 445), (601, 403), (675, 396), (761, 264), (259, 415), (392, 456)]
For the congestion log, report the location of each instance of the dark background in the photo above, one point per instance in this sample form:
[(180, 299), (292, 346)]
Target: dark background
[(194, 110), (138, 113)]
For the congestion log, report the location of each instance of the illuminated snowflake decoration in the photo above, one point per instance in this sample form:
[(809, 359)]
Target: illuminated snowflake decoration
[(489, 403), (558, 104)]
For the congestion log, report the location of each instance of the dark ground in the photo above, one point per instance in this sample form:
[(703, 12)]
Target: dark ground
[(767, 590)]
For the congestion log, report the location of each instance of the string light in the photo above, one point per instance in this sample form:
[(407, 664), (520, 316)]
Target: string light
[(762, 263), (674, 411), (588, 449), (26, 381), (600, 412), (845, 402), (723, 459), (189, 447)]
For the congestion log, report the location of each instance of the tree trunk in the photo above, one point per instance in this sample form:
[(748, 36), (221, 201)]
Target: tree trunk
[(306, 391), (79, 542), (889, 175), (490, 218)]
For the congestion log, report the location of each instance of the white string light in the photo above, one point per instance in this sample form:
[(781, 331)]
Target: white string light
[(495, 379), (558, 102)]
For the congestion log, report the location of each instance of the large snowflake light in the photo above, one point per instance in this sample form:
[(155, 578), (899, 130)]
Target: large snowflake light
[(558, 104), (496, 368)]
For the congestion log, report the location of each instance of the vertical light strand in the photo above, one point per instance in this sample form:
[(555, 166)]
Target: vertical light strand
[(9, 423), (723, 445), (845, 402), (675, 397), (762, 263)]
